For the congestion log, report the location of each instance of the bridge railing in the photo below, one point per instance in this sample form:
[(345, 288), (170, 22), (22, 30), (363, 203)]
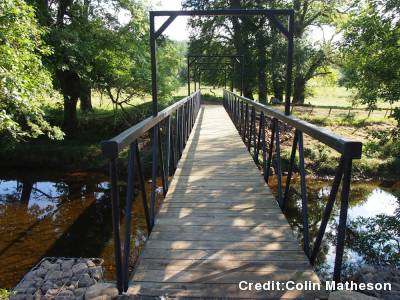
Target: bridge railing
[(178, 119), (244, 114)]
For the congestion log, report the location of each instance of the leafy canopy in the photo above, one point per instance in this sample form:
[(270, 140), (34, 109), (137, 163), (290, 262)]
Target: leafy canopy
[(371, 52), (24, 82)]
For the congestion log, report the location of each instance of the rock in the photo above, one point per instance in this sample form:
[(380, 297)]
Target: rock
[(49, 266), (67, 264), (103, 297), (348, 295), (80, 292), (90, 263), (67, 293), (85, 281), (41, 272), (67, 274), (47, 286), (99, 289), (52, 292), (54, 275), (96, 272), (112, 292), (79, 268)]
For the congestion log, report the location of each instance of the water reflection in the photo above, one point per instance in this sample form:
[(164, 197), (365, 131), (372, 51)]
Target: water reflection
[(370, 200), (58, 215), (70, 215)]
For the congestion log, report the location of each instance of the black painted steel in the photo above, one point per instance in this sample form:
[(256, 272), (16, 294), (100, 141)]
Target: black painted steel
[(327, 211), (349, 150), (290, 171), (115, 221)]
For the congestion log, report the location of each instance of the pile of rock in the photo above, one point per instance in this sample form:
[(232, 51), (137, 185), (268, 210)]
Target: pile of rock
[(59, 279)]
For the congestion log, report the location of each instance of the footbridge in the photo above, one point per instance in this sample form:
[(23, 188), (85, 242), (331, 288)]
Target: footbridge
[(219, 226)]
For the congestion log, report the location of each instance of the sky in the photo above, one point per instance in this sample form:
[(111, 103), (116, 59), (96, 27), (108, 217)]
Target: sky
[(178, 29)]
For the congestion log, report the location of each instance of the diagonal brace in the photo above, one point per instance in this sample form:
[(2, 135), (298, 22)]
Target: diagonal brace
[(164, 26)]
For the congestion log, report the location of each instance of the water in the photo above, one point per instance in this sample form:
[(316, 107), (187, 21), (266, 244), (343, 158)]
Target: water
[(45, 214), (368, 200)]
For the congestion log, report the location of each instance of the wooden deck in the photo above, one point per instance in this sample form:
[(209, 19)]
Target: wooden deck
[(219, 225)]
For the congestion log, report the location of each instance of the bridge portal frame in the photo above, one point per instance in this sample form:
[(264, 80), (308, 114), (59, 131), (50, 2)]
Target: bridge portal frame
[(271, 14), (238, 58)]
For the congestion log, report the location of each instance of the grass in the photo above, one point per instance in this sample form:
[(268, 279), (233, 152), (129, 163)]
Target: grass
[(83, 150)]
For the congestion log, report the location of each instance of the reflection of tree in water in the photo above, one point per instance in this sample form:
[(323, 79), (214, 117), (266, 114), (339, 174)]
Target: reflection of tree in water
[(318, 193), (376, 239)]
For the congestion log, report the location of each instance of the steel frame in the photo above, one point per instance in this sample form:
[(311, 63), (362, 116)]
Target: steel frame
[(238, 58), (271, 14)]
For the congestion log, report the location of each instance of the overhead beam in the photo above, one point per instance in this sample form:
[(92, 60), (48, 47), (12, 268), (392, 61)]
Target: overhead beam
[(222, 12)]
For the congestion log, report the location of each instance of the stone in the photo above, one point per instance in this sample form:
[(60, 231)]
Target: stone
[(67, 264), (348, 295), (30, 291), (103, 297), (98, 290), (79, 292), (52, 292), (47, 286), (41, 272), (85, 281), (67, 273), (49, 266), (112, 292), (96, 272), (66, 293), (54, 275), (90, 263), (80, 268)]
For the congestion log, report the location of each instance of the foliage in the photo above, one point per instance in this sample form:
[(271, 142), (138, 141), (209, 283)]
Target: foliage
[(263, 46), (376, 239), (4, 294), (371, 53), (383, 144), (103, 45), (24, 82)]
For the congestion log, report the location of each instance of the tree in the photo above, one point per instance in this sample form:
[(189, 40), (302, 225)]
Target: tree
[(371, 53), (102, 45), (24, 82), (263, 45)]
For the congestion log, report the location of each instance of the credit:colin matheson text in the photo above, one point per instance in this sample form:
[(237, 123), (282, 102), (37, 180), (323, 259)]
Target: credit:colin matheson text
[(312, 286)]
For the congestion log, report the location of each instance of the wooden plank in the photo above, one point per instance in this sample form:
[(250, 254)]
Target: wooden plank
[(218, 221), (274, 235), (219, 224), (212, 265), (218, 276), (221, 213), (219, 245), (221, 255), (230, 291)]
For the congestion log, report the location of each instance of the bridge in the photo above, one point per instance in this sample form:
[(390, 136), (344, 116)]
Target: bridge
[(219, 223)]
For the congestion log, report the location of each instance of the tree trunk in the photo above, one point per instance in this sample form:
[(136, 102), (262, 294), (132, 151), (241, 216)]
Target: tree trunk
[(70, 116), (262, 68), (299, 90), (27, 187), (86, 97)]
